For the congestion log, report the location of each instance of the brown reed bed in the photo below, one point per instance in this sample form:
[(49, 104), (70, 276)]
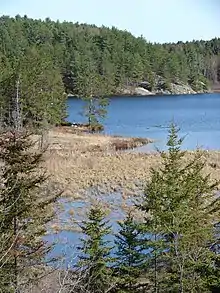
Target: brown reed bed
[(81, 161)]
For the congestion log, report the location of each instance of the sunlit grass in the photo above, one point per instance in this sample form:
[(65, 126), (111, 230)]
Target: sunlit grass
[(81, 161)]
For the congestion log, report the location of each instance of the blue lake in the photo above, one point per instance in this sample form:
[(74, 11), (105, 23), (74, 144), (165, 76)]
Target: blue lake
[(198, 117)]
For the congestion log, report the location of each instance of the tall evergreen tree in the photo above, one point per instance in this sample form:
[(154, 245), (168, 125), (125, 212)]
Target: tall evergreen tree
[(25, 209), (183, 207), (41, 89), (95, 259), (89, 87), (37, 85), (131, 260)]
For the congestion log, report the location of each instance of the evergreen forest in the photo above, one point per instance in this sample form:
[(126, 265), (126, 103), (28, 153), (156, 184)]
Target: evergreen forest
[(42, 61)]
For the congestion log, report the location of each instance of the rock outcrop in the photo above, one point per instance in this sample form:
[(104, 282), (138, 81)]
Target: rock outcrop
[(140, 91), (160, 88)]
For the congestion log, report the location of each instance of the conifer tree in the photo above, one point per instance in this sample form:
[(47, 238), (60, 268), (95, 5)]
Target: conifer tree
[(37, 84), (95, 259), (95, 111), (183, 207), (25, 209), (41, 89), (91, 88), (130, 258)]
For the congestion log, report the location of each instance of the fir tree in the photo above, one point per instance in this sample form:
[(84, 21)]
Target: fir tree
[(95, 259), (182, 206), (95, 111), (130, 258)]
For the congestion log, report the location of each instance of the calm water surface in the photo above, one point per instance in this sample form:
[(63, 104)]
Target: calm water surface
[(198, 116), (67, 240)]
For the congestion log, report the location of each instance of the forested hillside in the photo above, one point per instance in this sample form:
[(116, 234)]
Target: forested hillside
[(46, 56)]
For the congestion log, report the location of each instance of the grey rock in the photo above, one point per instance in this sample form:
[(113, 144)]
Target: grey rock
[(144, 88), (143, 92), (181, 89)]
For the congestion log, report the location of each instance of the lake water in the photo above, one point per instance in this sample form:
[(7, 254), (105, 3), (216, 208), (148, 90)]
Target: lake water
[(70, 214), (198, 117)]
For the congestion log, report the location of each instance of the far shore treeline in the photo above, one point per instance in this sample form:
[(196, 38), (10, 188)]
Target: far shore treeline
[(42, 60)]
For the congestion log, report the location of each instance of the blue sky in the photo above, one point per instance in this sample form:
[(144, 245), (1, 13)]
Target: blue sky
[(156, 20)]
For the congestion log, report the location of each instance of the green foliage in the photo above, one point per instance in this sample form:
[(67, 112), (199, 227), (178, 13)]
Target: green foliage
[(181, 206), (25, 209), (91, 87), (40, 60), (91, 58), (41, 88), (37, 85), (95, 257), (95, 111), (130, 259)]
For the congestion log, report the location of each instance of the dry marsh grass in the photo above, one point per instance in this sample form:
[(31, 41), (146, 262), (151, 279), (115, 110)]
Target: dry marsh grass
[(80, 161)]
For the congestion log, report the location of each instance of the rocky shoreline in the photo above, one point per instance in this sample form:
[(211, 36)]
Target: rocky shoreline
[(161, 86), (174, 89)]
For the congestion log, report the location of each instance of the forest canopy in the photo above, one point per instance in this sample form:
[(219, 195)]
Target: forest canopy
[(44, 56)]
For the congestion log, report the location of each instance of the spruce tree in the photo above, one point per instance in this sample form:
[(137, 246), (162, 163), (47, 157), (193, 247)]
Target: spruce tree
[(95, 254), (25, 209), (131, 260), (182, 207)]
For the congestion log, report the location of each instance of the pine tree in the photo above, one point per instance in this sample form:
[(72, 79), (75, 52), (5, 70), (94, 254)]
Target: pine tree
[(182, 206), (91, 87), (41, 89), (95, 259), (95, 110), (7, 91), (25, 209), (130, 258), (37, 84)]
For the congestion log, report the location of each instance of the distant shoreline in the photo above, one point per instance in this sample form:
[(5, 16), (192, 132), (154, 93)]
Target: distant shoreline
[(155, 95), (161, 95)]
